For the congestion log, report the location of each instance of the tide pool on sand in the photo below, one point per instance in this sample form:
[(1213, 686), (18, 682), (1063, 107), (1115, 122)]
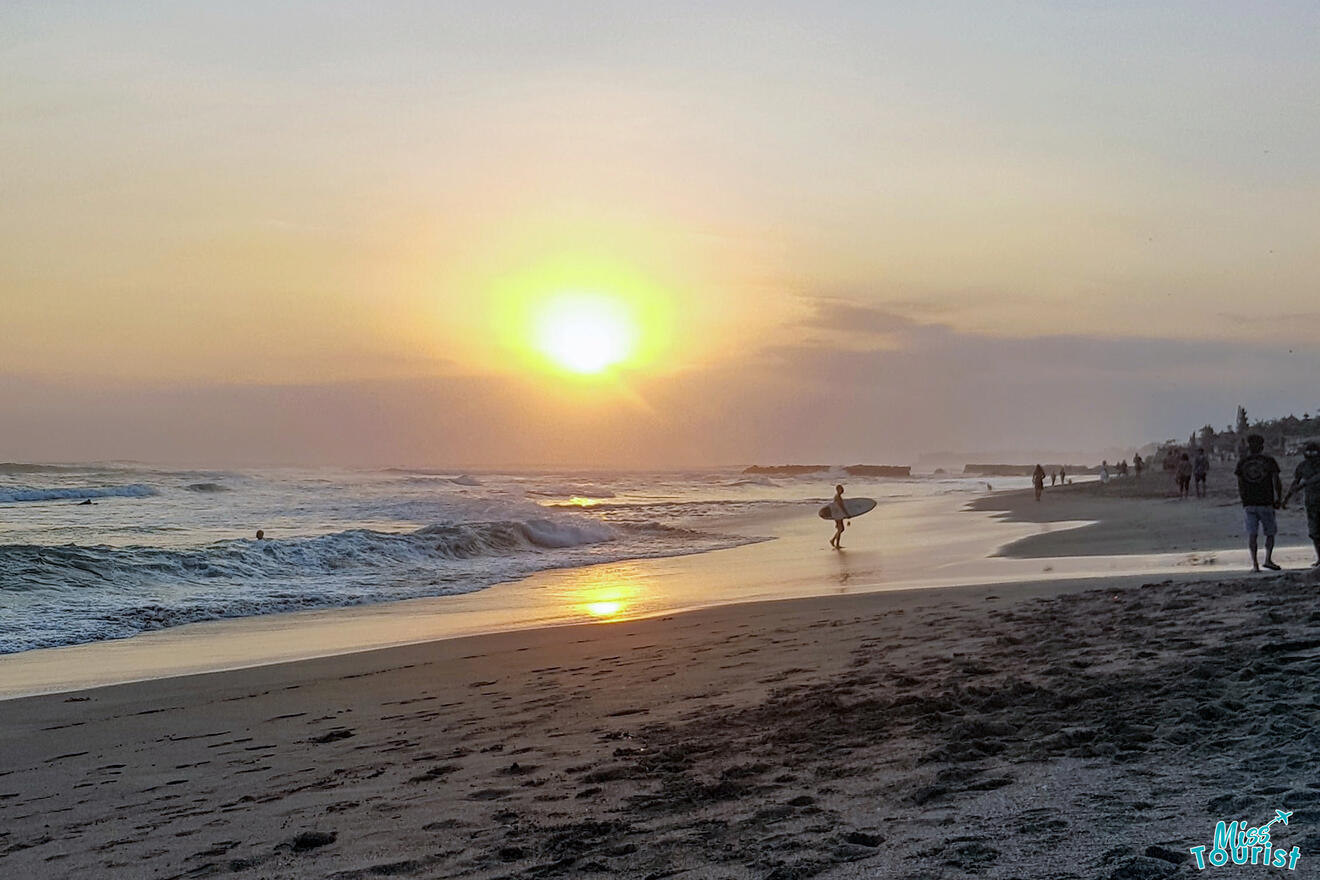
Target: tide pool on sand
[(851, 507)]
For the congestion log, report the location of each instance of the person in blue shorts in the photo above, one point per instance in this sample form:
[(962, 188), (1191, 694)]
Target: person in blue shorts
[(1261, 491)]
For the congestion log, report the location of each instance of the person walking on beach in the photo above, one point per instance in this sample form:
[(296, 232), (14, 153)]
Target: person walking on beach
[(1038, 480), (1184, 475), (1104, 472), (1200, 468), (1063, 476), (840, 512), (1261, 492), (1308, 475), (1054, 478), (1138, 464)]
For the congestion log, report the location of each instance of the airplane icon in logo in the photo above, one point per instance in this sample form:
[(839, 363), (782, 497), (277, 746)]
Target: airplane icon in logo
[(1279, 816)]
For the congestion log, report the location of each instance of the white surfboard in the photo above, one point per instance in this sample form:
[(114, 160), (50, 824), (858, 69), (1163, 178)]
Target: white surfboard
[(853, 507)]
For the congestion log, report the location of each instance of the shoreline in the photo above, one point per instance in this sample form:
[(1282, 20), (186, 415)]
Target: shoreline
[(928, 543)]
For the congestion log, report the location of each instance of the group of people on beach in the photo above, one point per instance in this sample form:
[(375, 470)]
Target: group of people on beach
[(1260, 488), (1038, 479), (1185, 470)]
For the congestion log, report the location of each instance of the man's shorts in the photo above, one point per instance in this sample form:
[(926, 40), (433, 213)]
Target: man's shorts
[(1262, 516), (1313, 519)]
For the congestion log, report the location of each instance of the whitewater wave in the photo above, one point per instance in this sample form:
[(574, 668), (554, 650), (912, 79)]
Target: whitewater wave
[(11, 495), (69, 594), (246, 558)]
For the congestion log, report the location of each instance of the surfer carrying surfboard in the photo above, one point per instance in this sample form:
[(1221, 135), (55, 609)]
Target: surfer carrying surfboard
[(840, 511)]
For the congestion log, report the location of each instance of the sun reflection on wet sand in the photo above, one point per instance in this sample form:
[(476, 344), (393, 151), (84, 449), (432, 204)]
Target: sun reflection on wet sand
[(607, 593), (604, 609)]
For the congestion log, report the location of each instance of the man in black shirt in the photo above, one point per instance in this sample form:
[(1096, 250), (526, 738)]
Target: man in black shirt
[(1308, 475), (1261, 491)]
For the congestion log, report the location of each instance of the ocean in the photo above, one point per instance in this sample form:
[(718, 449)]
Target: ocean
[(159, 547)]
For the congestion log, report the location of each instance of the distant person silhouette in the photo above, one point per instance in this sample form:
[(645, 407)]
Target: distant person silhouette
[(1038, 480), (1308, 476), (1200, 469), (1054, 478), (1138, 464), (1184, 475), (1261, 492), (1063, 476), (840, 511)]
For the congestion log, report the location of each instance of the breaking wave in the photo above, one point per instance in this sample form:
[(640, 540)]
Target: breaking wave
[(10, 495), (68, 594)]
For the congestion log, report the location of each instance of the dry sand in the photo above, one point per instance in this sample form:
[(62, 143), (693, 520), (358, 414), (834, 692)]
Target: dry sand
[(1094, 729)]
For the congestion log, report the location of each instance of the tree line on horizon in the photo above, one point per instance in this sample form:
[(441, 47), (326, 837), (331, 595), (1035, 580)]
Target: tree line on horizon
[(1282, 435)]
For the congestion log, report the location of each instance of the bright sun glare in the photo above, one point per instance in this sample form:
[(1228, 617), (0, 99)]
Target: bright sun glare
[(585, 334)]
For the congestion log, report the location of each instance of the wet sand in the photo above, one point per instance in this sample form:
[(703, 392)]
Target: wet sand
[(1131, 516), (1093, 728)]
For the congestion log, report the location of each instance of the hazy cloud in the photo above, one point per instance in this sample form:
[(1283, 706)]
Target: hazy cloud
[(808, 401)]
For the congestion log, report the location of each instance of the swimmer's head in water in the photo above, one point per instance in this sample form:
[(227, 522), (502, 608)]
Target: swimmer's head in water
[(261, 536)]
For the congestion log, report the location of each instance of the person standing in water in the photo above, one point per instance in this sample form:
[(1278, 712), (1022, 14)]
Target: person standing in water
[(1038, 480), (1308, 476), (1261, 491), (839, 511)]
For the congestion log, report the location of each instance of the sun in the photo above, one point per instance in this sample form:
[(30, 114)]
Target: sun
[(585, 333)]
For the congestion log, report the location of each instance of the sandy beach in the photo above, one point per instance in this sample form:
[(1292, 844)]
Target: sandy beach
[(1080, 728), (423, 427), (1134, 516)]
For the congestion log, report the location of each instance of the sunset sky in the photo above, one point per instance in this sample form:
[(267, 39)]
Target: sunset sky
[(332, 232)]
